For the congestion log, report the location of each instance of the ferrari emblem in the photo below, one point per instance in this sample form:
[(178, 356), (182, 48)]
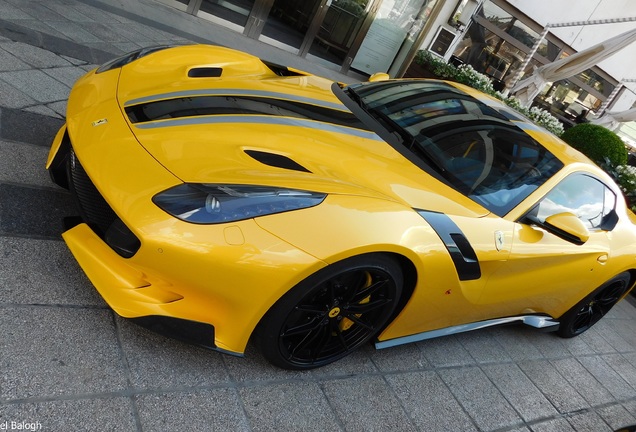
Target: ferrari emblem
[(99, 122), (499, 240)]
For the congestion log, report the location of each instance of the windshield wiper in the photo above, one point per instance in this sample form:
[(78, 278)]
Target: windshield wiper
[(355, 97), (393, 126), (409, 140)]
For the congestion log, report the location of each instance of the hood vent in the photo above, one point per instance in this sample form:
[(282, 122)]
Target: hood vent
[(205, 72), (276, 160)]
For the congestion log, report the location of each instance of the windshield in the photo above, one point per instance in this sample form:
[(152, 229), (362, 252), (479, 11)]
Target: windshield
[(472, 146)]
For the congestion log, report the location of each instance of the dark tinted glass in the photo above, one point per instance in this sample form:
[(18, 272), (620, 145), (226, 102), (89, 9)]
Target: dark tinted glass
[(496, 167), (473, 146)]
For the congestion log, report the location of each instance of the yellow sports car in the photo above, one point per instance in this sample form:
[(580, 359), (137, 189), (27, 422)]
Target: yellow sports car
[(224, 198)]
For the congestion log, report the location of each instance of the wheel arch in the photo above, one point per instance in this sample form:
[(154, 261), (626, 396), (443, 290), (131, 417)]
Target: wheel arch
[(632, 280), (267, 333), (407, 265), (589, 310), (56, 162), (631, 284), (409, 274)]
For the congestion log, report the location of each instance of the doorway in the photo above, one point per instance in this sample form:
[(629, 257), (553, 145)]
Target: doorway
[(287, 23), (322, 30), (343, 24), (229, 13), (366, 36)]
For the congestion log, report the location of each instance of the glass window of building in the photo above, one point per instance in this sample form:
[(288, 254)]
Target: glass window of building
[(567, 101), (497, 43), (287, 23), (395, 22), (509, 24), (231, 13), (491, 55), (596, 81), (549, 50), (367, 36), (340, 26)]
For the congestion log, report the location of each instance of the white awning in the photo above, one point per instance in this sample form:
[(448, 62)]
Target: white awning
[(528, 88), (612, 120)]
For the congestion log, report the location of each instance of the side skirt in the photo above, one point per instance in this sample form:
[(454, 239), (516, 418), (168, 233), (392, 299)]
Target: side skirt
[(545, 323)]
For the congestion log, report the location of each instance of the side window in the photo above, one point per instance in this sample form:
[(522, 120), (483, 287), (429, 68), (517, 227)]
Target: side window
[(586, 197)]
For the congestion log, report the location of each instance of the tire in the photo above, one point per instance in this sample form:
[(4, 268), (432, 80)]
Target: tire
[(592, 308), (331, 313)]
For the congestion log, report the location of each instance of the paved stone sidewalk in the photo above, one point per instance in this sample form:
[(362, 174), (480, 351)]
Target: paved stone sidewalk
[(67, 363)]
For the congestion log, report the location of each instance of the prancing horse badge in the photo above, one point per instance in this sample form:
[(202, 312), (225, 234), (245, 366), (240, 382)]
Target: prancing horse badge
[(499, 240)]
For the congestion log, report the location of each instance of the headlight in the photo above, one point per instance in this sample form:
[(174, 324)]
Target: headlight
[(216, 203), (127, 58)]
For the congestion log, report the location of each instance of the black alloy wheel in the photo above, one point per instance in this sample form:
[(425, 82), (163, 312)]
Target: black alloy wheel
[(331, 313), (591, 309)]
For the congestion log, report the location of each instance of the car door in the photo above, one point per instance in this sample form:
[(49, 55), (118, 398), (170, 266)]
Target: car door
[(487, 163), (547, 271)]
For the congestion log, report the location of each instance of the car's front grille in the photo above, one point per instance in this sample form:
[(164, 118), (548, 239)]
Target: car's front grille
[(97, 214), (95, 210)]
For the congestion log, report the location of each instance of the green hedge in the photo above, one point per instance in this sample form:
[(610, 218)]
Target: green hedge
[(597, 142)]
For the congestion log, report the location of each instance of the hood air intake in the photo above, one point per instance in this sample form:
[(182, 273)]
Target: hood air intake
[(276, 160), (205, 72)]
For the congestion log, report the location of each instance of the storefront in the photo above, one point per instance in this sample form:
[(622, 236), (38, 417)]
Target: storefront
[(365, 36), (496, 44)]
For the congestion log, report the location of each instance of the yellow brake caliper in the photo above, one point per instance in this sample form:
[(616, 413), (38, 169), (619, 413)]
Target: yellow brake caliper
[(346, 323)]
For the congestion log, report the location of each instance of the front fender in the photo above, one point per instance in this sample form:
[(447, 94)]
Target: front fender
[(346, 226)]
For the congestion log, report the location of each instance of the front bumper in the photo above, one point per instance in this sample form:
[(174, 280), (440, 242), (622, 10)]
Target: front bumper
[(129, 293), (216, 281), (125, 288), (223, 276)]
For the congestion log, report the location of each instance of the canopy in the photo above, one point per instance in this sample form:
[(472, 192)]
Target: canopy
[(527, 89), (612, 120)]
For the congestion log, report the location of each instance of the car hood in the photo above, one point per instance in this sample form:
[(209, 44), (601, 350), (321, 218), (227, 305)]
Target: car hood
[(275, 131)]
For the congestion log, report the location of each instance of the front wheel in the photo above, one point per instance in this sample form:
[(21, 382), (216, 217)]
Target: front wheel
[(331, 313), (592, 308)]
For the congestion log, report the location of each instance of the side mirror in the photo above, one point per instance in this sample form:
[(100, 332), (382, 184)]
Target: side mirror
[(379, 76), (567, 226)]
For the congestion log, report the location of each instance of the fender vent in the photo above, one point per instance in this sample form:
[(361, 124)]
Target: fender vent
[(205, 72), (281, 70), (276, 160)]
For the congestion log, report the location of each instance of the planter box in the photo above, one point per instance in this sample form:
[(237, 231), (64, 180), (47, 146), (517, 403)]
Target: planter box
[(417, 70)]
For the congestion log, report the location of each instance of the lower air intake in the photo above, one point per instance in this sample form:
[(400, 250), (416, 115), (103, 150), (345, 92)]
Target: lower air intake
[(97, 214)]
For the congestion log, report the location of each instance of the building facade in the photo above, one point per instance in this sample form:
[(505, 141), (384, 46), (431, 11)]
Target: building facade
[(493, 36), (503, 33), (497, 43), (367, 36)]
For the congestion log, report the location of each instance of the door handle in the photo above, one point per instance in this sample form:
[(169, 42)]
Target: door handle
[(602, 259)]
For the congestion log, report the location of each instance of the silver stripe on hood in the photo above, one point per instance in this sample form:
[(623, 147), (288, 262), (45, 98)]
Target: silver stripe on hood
[(236, 92), (259, 119)]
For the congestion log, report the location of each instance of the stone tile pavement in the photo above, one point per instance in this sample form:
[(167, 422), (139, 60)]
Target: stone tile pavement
[(67, 363)]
